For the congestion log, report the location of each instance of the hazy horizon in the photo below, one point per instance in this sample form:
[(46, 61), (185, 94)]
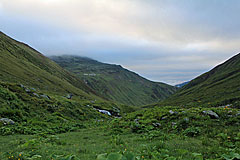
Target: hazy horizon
[(166, 41)]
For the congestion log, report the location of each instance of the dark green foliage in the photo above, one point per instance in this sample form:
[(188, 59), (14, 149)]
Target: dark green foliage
[(114, 82), (34, 115)]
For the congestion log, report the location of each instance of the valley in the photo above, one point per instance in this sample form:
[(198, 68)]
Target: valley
[(76, 108)]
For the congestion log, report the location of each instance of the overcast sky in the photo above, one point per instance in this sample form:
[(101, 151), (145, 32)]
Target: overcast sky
[(170, 41)]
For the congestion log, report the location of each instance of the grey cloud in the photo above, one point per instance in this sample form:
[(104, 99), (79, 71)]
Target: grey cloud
[(169, 40)]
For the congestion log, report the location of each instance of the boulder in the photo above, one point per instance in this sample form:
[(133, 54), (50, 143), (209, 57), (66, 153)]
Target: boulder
[(186, 119), (238, 113), (45, 96), (156, 124), (7, 121), (35, 94), (212, 114), (69, 96), (28, 90), (136, 121), (173, 112)]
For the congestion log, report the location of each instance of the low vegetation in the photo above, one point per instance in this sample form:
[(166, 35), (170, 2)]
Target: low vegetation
[(157, 133)]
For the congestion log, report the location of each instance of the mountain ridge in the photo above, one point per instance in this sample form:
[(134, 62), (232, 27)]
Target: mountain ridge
[(21, 63), (115, 82)]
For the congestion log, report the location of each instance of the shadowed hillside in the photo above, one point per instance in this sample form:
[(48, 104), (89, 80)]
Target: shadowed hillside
[(115, 82)]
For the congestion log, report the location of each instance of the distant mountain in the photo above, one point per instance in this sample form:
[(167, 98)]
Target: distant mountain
[(115, 82), (219, 86), (19, 63), (182, 84)]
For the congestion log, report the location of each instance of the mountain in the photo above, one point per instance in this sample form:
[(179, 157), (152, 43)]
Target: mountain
[(115, 82), (182, 84), (219, 86), (22, 64), (36, 90)]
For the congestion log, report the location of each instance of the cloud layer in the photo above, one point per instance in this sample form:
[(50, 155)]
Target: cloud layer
[(170, 40)]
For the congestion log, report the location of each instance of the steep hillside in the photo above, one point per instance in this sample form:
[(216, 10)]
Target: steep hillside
[(114, 82), (23, 64), (220, 86)]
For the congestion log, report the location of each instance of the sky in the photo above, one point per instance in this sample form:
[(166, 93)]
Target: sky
[(169, 41)]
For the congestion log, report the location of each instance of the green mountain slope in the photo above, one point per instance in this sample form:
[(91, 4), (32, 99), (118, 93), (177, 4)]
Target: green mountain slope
[(34, 92), (114, 82), (23, 64), (220, 86)]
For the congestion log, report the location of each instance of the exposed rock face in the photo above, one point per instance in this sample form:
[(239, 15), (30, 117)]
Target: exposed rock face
[(212, 114), (7, 121)]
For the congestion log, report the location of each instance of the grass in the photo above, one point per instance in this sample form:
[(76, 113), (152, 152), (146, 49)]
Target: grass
[(199, 138), (22, 64), (114, 82)]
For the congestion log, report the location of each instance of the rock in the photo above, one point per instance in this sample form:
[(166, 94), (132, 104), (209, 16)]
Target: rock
[(69, 96), (156, 124), (35, 94), (238, 113), (45, 96), (212, 114), (186, 119), (7, 121), (27, 90), (105, 112), (136, 121), (165, 117), (171, 112)]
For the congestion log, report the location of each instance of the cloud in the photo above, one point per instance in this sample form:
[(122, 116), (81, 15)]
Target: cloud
[(162, 40)]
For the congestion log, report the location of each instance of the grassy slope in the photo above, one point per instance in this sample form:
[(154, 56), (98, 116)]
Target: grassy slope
[(22, 64), (114, 82), (219, 86)]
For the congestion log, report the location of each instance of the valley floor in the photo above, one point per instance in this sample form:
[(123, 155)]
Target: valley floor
[(87, 144)]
